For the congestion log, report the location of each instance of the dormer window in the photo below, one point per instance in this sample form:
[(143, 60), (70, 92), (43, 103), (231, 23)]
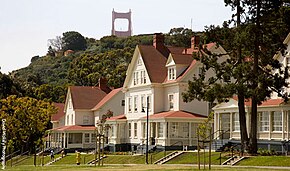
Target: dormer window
[(171, 73)]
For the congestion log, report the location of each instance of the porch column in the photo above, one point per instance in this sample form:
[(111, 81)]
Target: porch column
[(189, 134), (218, 124), (283, 124), (64, 140), (231, 125), (287, 123), (270, 125), (168, 136), (116, 130), (164, 133)]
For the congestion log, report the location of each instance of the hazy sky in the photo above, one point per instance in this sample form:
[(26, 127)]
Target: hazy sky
[(26, 25)]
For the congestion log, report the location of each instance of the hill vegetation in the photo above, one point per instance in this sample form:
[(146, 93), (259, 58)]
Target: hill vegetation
[(47, 77)]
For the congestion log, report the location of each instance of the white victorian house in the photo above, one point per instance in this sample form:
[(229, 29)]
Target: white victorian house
[(273, 117), (155, 80), (74, 127)]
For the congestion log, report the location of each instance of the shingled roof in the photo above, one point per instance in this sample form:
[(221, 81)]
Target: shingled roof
[(84, 97), (59, 113), (107, 98), (154, 62), (176, 114)]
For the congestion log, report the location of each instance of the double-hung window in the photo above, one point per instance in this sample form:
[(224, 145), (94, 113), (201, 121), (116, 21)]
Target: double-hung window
[(171, 73), (135, 130), (136, 77), (236, 122), (129, 130), (135, 103), (277, 121), (143, 77), (264, 121), (171, 101), (129, 104)]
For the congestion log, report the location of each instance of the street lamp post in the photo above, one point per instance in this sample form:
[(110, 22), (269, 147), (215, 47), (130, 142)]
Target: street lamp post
[(147, 128)]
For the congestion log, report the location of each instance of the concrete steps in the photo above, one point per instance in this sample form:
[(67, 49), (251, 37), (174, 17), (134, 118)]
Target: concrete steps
[(168, 157), (94, 161), (55, 160), (233, 160)]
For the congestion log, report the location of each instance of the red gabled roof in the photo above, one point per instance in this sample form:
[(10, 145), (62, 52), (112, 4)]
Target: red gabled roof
[(176, 50), (155, 63), (107, 98), (84, 97), (119, 117), (60, 112), (75, 128), (270, 102), (185, 59), (176, 114)]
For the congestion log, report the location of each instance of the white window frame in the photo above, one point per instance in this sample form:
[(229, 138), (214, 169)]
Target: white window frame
[(129, 104), (86, 137), (277, 121), (135, 130), (72, 119), (113, 131), (136, 78), (86, 120), (171, 73), (129, 130), (143, 77), (93, 139), (174, 130), (149, 102), (264, 121), (185, 129), (236, 120), (135, 104), (171, 101), (143, 102)]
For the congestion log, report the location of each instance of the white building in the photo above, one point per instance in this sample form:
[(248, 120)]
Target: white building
[(156, 78), (74, 128), (273, 117)]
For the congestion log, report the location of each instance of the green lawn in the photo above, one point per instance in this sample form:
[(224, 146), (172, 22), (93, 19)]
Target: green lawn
[(191, 158), (136, 162), (131, 168), (266, 161)]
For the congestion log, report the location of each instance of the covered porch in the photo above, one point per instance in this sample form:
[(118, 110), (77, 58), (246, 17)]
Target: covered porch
[(72, 137), (273, 120)]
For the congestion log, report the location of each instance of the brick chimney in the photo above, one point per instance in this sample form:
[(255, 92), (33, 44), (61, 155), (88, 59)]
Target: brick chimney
[(195, 42), (158, 43), (103, 85)]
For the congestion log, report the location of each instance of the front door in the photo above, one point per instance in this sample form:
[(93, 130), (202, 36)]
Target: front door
[(225, 125)]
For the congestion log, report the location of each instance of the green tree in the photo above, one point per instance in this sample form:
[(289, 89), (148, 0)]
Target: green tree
[(26, 120), (180, 37), (73, 40), (112, 65), (251, 49), (50, 92), (9, 87)]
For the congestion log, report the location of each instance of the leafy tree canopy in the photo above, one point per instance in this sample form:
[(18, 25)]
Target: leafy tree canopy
[(26, 120), (73, 40)]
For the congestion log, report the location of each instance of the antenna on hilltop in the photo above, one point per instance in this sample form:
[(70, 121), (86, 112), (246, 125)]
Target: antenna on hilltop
[(191, 23)]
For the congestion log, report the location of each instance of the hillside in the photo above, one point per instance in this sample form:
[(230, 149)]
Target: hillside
[(48, 76)]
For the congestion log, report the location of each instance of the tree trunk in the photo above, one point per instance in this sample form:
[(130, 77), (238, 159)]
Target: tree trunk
[(241, 96), (254, 112)]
